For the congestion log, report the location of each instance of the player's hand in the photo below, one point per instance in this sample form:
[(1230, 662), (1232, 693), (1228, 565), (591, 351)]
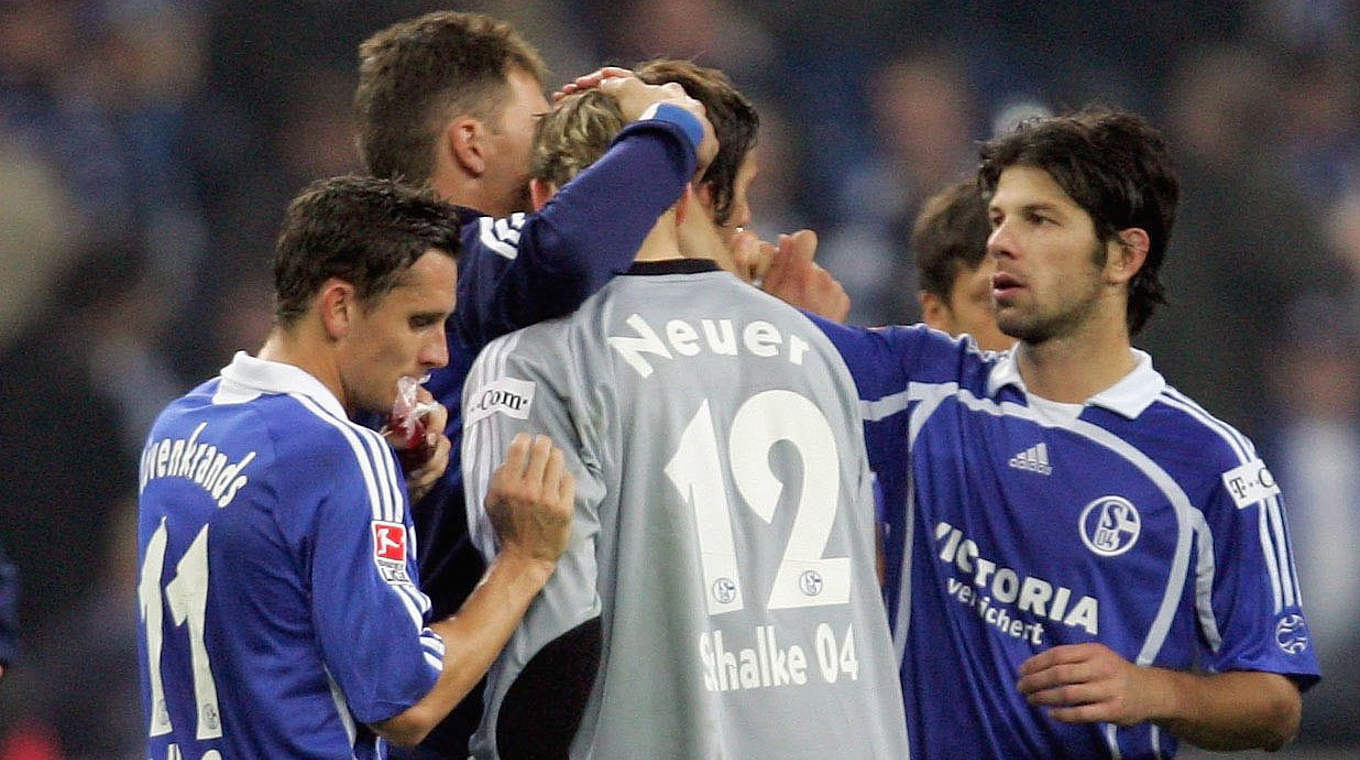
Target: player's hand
[(636, 96), (1090, 683), (423, 461), (795, 278), (531, 499), (751, 255), (593, 79)]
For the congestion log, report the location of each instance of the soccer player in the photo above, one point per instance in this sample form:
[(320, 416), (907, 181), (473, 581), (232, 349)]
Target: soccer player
[(279, 609), (949, 241), (1082, 562), (721, 570), (447, 100)]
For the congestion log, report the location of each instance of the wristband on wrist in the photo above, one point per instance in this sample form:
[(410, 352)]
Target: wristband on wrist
[(686, 121)]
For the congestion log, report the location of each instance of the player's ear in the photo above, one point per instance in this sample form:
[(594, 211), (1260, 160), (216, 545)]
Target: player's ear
[(463, 140), (1127, 252), (935, 312), (682, 206), (703, 194), (540, 192), (337, 304)]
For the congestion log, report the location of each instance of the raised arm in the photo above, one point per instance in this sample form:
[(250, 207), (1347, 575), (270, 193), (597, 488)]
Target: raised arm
[(529, 268)]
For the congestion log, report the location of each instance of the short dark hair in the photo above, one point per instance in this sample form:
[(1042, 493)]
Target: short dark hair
[(573, 135), (734, 119), (950, 235), (416, 75), (1114, 165), (362, 230)]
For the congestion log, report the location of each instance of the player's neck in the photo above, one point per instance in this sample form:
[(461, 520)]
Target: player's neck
[(464, 190), (306, 351), (1073, 368), (661, 243)]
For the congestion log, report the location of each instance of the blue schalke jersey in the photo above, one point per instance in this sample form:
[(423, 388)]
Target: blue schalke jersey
[(1135, 520), (277, 597)]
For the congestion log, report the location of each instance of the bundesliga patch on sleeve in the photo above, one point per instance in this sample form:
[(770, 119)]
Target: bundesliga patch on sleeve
[(507, 395), (1250, 483), (389, 551)]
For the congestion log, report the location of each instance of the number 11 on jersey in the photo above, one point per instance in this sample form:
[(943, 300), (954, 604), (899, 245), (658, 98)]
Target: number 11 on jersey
[(187, 598)]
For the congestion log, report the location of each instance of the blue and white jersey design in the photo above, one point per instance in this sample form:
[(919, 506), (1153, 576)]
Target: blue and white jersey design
[(1014, 524), (277, 597)]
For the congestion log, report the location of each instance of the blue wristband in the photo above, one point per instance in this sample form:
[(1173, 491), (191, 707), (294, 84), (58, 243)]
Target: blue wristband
[(686, 121)]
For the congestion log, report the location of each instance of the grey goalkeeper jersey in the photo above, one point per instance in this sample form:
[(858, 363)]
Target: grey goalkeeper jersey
[(722, 560)]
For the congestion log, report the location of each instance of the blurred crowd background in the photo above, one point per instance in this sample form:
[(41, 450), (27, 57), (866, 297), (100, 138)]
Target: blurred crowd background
[(148, 147)]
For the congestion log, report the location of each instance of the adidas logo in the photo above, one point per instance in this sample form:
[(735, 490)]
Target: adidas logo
[(1034, 459)]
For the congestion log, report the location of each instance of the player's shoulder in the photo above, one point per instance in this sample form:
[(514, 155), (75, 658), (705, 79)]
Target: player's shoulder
[(885, 360), (1180, 424), (496, 237), (310, 438), (543, 343), (516, 367)]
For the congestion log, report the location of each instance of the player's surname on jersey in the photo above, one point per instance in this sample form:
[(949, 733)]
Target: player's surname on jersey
[(717, 336), (198, 461), (759, 659)]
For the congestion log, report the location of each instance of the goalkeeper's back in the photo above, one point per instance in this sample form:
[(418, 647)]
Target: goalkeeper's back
[(722, 564)]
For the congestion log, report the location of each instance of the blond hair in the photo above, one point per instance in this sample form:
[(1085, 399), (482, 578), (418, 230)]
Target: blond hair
[(574, 135)]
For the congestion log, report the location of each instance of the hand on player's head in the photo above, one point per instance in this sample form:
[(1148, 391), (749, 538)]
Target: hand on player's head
[(593, 79), (636, 97)]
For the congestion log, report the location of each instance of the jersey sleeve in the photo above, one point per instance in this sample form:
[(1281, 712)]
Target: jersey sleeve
[(1257, 618), (555, 652), (884, 360), (528, 268), (368, 613)]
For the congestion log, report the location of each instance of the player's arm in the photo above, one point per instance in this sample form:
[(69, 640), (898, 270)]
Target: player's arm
[(879, 360), (527, 269), (1090, 683), (529, 503)]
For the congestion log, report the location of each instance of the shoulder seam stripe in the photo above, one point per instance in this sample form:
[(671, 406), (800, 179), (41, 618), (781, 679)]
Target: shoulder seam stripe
[(1270, 527), (1230, 435), (371, 481)]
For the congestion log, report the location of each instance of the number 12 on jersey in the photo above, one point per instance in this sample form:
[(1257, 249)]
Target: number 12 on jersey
[(805, 577)]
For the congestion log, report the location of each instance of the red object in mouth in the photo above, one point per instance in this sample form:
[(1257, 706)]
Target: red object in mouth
[(408, 420)]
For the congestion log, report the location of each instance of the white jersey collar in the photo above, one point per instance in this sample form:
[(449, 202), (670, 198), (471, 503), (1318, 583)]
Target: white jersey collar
[(1133, 393), (264, 376)]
